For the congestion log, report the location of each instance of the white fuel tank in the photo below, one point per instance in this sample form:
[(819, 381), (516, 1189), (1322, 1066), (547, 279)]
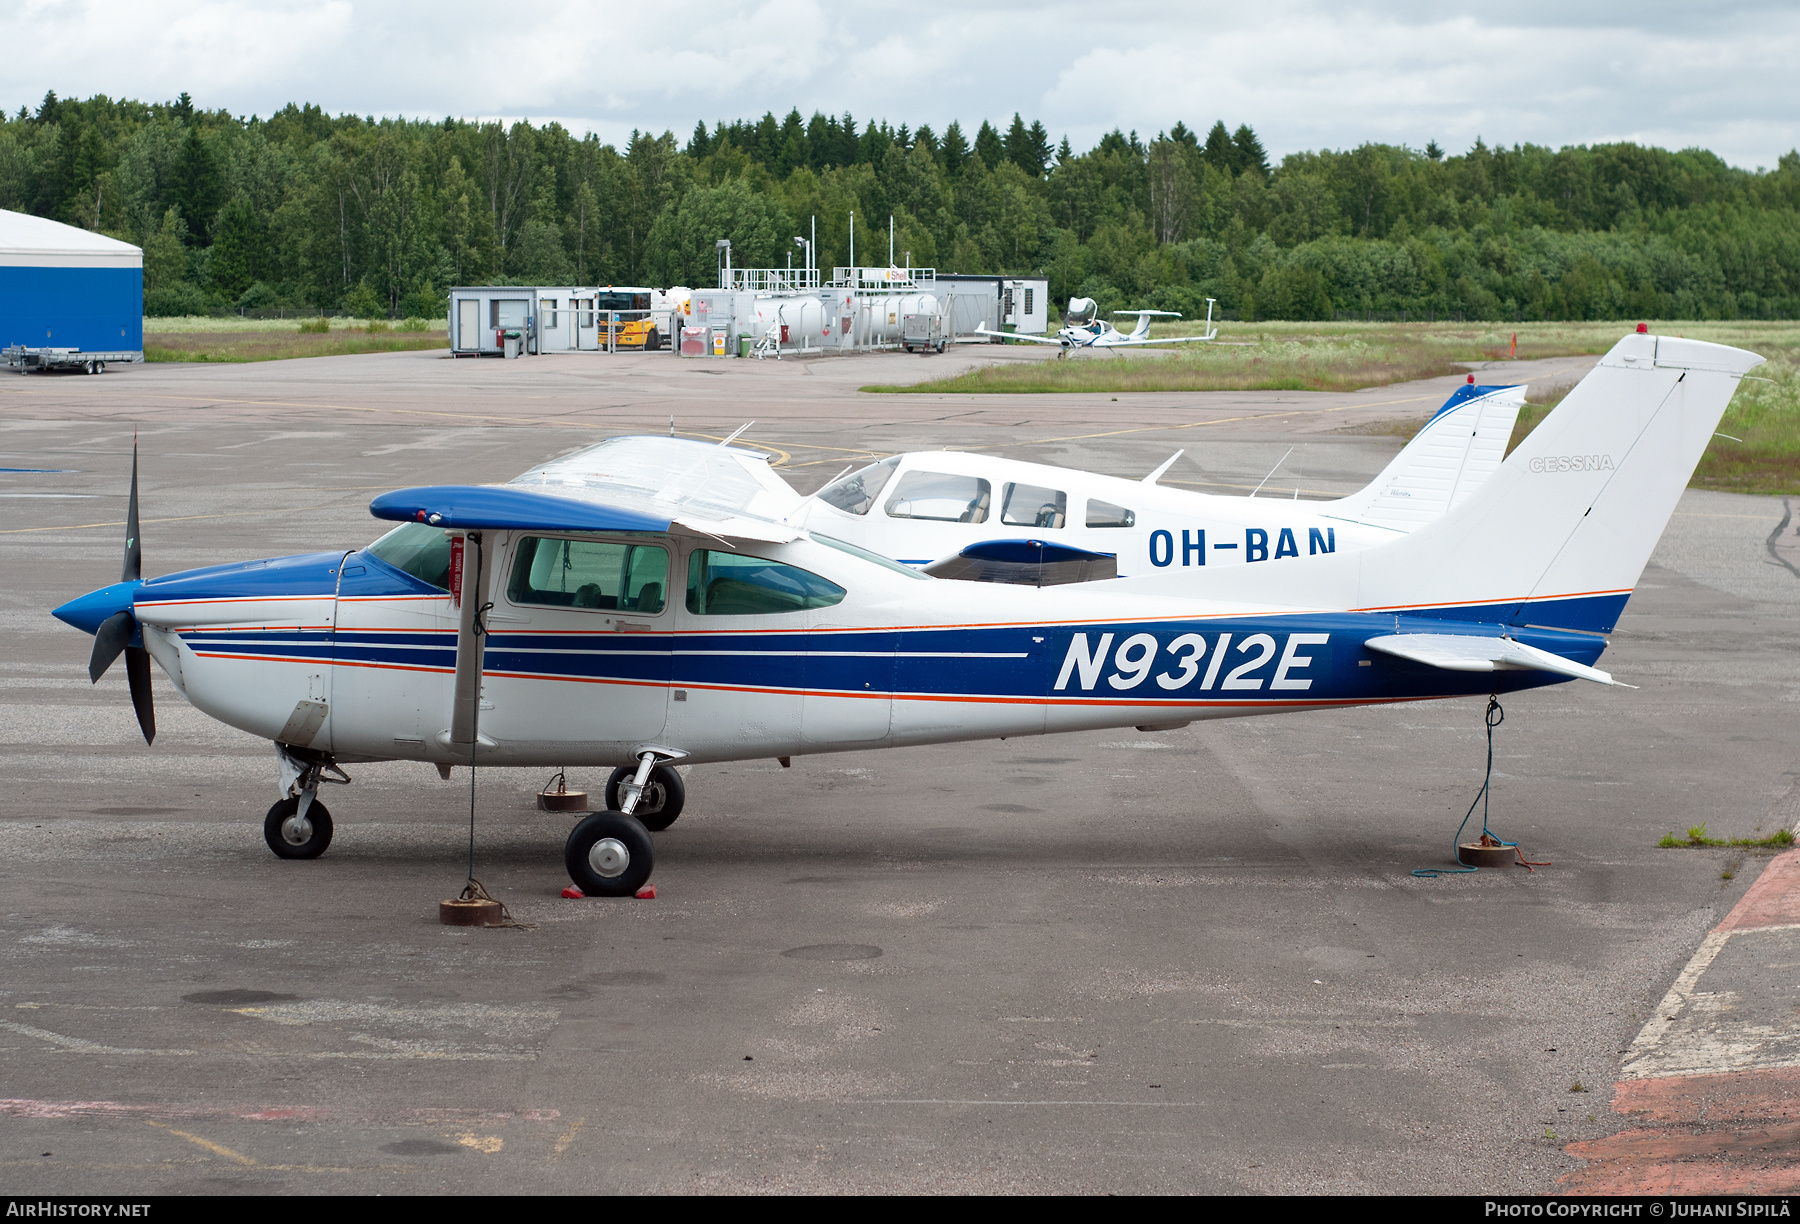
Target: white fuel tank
[(802, 317), (883, 317)]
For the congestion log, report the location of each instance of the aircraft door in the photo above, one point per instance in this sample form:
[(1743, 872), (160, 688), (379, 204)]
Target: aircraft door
[(742, 667), (578, 648)]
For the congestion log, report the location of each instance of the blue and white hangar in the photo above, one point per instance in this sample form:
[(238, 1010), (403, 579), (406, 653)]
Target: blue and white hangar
[(69, 298)]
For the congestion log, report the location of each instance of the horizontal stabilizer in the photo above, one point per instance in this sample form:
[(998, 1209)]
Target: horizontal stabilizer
[(1025, 563), (1466, 652)]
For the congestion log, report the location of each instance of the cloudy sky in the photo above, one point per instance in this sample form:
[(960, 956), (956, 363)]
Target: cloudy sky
[(1305, 74)]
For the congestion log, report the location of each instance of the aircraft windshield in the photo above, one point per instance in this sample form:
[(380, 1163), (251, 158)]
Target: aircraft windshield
[(419, 550), (856, 492)]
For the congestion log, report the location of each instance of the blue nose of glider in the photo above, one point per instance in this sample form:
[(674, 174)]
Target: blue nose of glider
[(89, 611)]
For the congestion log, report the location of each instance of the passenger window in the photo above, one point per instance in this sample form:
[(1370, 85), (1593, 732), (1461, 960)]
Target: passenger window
[(726, 584), (941, 498), (590, 574), (1105, 514), (1031, 506), (855, 493)]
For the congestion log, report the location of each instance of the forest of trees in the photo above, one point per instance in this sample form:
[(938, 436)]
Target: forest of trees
[(381, 216)]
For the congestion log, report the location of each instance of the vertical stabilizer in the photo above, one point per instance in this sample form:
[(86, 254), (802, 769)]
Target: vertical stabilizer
[(1560, 534)]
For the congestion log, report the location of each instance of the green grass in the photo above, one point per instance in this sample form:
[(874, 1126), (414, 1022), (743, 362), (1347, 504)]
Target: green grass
[(287, 341), (232, 323), (1282, 357), (1697, 838), (1758, 452), (1757, 447)]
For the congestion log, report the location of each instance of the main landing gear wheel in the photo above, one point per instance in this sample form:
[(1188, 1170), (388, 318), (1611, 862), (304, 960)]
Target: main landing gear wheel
[(292, 837), (661, 801), (609, 854)]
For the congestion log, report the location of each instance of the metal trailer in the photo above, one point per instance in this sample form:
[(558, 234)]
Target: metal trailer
[(999, 303), (23, 360), (69, 299), (924, 332)]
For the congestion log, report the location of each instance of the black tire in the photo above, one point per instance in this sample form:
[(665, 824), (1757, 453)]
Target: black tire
[(652, 341), (613, 835), (313, 846), (663, 798)]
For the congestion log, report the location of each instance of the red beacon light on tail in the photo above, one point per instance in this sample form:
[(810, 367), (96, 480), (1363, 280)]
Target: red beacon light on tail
[(1643, 329)]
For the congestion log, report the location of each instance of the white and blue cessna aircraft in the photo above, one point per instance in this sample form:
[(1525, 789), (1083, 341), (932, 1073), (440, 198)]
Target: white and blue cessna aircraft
[(643, 612), (1081, 329), (957, 514)]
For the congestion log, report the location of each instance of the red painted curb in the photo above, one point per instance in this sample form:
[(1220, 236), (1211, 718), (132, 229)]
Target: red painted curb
[(1736, 1133)]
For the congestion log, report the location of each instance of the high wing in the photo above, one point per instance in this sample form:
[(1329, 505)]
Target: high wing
[(1470, 653), (982, 330), (622, 484)]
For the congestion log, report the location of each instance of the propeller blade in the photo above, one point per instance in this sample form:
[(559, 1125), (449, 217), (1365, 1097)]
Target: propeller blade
[(137, 670), (134, 552), (113, 635)]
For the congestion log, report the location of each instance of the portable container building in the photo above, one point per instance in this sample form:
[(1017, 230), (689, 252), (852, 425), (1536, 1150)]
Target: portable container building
[(999, 303), (480, 317), (559, 318), (69, 296)]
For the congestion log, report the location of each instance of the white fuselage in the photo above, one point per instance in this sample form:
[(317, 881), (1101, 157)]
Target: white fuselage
[(938, 502)]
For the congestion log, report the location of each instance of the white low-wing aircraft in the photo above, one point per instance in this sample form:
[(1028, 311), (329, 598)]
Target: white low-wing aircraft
[(634, 615), (1083, 330), (984, 518)]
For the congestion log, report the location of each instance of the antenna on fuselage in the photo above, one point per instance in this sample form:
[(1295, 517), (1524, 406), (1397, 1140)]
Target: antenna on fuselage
[(1166, 464), (1265, 479)]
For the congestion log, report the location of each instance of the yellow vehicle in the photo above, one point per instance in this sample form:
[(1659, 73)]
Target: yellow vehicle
[(626, 311)]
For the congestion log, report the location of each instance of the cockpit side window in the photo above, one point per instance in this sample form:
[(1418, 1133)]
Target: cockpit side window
[(594, 575), (855, 493), (1105, 514), (941, 498), (1032, 506), (419, 550), (727, 584)]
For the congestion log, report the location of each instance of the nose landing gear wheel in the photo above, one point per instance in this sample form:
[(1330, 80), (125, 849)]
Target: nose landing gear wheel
[(661, 802), (291, 837), (609, 854)]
